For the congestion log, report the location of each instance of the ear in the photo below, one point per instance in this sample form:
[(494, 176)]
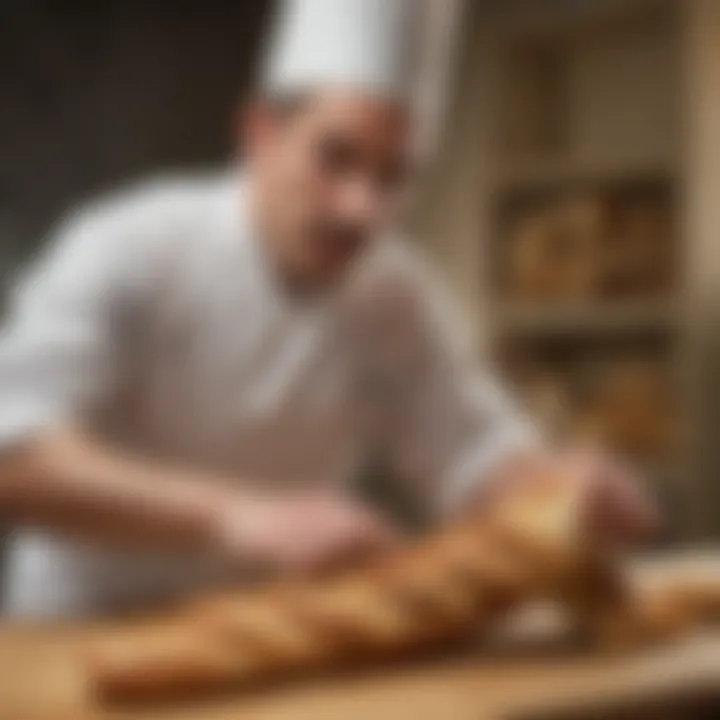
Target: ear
[(257, 127)]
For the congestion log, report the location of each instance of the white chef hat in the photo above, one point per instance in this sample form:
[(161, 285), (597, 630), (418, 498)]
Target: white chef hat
[(366, 44)]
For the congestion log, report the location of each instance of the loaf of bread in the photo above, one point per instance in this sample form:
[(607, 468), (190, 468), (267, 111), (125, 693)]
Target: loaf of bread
[(639, 260), (649, 615), (555, 250), (441, 589), (524, 546), (631, 408), (532, 271)]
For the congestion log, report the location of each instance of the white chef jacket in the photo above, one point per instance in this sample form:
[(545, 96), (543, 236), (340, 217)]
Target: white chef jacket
[(154, 320)]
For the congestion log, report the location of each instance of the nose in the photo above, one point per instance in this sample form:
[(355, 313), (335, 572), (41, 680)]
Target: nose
[(360, 201)]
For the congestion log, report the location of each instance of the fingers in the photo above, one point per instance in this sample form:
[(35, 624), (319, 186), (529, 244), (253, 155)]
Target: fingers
[(328, 534), (625, 507), (616, 504), (613, 502)]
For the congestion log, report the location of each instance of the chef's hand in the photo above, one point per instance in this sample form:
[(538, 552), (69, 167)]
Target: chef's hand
[(613, 500), (617, 502), (300, 534)]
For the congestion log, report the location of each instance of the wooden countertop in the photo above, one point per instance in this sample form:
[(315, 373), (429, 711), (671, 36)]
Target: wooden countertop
[(527, 673)]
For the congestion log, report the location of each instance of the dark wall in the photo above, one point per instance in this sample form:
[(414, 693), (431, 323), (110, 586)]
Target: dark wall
[(97, 91)]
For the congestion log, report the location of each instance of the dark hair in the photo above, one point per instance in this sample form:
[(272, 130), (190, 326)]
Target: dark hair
[(284, 105)]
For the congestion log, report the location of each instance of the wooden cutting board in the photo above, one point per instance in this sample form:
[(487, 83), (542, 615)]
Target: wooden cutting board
[(527, 672)]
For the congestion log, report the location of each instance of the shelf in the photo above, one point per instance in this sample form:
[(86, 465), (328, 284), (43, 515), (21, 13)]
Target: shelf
[(626, 317), (543, 174), (570, 21)]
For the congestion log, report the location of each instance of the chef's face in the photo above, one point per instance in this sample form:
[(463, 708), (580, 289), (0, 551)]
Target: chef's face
[(328, 171)]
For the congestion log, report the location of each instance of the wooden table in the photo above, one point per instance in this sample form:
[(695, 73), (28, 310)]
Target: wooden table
[(529, 674)]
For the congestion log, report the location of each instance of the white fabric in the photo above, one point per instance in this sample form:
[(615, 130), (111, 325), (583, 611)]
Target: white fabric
[(154, 320), (368, 44)]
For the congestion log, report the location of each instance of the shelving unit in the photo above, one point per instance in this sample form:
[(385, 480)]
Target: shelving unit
[(556, 94), (583, 100)]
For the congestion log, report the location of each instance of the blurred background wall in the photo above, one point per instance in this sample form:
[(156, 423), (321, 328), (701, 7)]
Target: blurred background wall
[(573, 203), (96, 93)]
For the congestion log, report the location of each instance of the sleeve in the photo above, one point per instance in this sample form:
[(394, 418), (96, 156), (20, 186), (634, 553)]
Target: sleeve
[(59, 354), (448, 424)]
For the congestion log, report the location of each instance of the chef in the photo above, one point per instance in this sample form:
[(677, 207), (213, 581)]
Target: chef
[(195, 369)]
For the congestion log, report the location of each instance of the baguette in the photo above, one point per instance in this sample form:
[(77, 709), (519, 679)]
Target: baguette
[(438, 590), (525, 546)]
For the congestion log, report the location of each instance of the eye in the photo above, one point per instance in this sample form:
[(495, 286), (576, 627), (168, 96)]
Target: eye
[(392, 175), (336, 156)]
